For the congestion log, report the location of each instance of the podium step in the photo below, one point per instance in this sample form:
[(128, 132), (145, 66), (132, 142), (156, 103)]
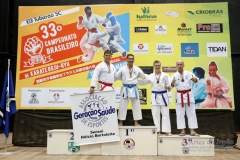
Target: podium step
[(187, 145)]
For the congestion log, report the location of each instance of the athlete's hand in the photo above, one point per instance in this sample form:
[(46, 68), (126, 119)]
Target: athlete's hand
[(91, 91), (173, 81)]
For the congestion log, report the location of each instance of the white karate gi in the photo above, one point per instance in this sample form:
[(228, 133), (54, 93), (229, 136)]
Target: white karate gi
[(129, 93), (189, 109), (214, 101), (102, 76), (93, 22), (160, 104)]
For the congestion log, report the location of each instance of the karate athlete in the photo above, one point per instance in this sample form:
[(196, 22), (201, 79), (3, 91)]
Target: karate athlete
[(199, 89), (161, 84), (182, 80), (90, 21), (114, 31), (129, 75), (103, 74), (217, 87)]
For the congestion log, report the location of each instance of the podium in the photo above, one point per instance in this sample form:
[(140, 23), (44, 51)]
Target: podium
[(134, 140)]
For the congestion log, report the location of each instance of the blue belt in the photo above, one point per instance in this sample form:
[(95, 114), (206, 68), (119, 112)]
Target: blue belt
[(160, 92), (131, 86)]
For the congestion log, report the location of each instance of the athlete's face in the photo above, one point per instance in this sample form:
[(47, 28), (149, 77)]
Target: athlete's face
[(130, 60), (107, 57), (180, 65), (157, 66), (212, 70), (88, 12)]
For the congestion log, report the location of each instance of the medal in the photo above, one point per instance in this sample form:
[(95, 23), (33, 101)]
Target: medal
[(182, 78), (157, 78)]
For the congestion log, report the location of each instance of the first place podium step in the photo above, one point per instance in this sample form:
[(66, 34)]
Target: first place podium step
[(134, 140)]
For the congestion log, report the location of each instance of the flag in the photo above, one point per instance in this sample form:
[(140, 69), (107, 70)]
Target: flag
[(7, 104)]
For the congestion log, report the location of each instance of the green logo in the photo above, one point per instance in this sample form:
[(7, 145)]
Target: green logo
[(145, 10), (191, 12), (146, 16), (211, 12), (72, 148)]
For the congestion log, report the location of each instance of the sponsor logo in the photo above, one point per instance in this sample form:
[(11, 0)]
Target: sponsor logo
[(184, 31), (189, 50), (33, 99), (129, 143), (160, 29), (210, 12), (164, 48), (146, 15), (94, 111), (56, 97), (185, 150), (72, 148), (141, 29), (172, 14), (43, 17), (217, 49), (29, 20), (141, 48), (169, 69), (210, 28)]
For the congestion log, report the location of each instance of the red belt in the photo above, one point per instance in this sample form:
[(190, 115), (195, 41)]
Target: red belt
[(105, 85), (183, 92)]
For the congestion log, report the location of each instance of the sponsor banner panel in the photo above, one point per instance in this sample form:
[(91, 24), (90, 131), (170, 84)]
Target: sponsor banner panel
[(59, 48)]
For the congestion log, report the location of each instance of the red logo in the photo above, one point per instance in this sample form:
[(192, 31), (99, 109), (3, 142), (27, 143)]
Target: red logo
[(140, 46)]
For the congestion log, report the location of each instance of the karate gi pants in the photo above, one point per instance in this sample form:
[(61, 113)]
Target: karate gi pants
[(191, 115), (157, 111)]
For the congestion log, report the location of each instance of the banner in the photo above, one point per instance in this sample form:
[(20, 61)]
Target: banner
[(60, 46), (94, 118)]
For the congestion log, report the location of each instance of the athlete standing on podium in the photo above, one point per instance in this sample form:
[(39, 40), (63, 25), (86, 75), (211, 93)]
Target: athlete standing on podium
[(129, 75), (161, 84), (185, 102)]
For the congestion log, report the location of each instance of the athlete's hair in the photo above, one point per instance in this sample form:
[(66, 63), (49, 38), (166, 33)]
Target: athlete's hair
[(200, 71), (156, 61), (130, 55), (107, 52), (213, 64)]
